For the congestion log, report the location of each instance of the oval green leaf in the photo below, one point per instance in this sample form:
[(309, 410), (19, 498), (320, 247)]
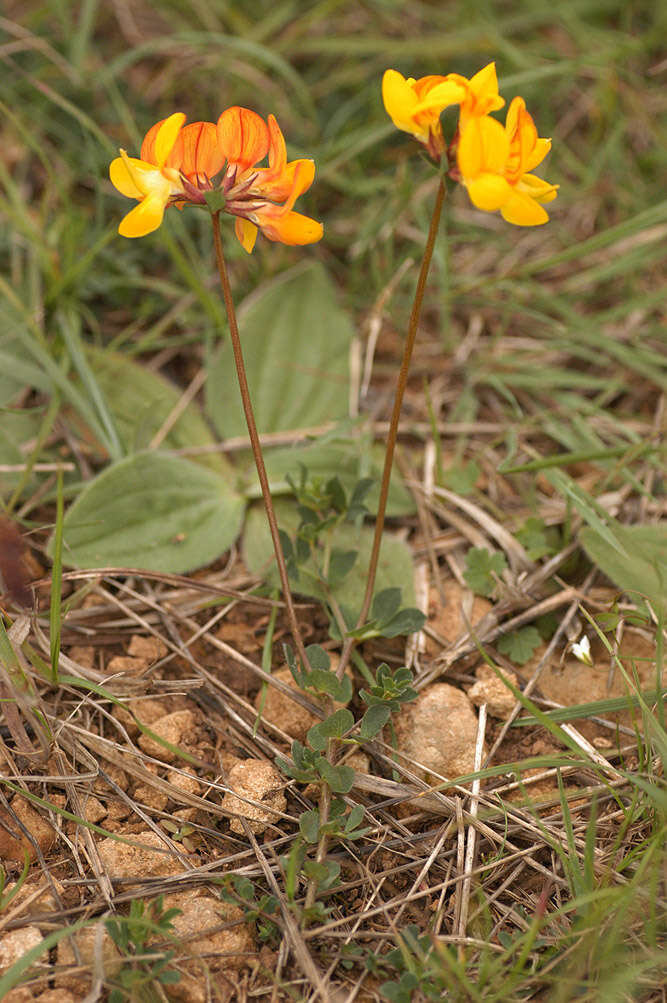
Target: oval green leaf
[(153, 511)]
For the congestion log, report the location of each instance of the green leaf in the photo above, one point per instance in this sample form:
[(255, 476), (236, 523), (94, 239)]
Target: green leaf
[(636, 561), (520, 645), (17, 368), (295, 344), (152, 511), (354, 818), (479, 569), (309, 825), (462, 479), (318, 657), (533, 538), (332, 727), (395, 565), (348, 460), (328, 682), (141, 401), (406, 621), (339, 778), (597, 518), (340, 564), (386, 604), (374, 721), (16, 427)]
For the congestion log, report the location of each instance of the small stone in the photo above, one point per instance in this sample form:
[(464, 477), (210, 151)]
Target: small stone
[(146, 711), (439, 731), (152, 860), (491, 690), (15, 943), (219, 949), (358, 760), (125, 665), (185, 814), (83, 654), (447, 619), (115, 774), (150, 648), (186, 782), (14, 847), (151, 797), (21, 994), (257, 780), (40, 893), (172, 728), (57, 996), (117, 811), (93, 810), (92, 943)]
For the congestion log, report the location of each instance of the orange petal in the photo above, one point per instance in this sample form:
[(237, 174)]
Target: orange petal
[(291, 228), (148, 152), (201, 154), (295, 179), (243, 136)]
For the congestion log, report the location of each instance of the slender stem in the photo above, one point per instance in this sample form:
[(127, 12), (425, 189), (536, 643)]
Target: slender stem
[(395, 418), (255, 443)]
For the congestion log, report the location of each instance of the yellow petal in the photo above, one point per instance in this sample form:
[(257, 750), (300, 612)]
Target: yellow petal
[(489, 192), (166, 137), (517, 106), (144, 218), (122, 179), (522, 210), (440, 97), (483, 147), (537, 188), (484, 88), (399, 100), (542, 147), (247, 233)]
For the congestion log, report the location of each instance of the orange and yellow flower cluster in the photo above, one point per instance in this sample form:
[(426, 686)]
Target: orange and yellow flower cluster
[(182, 164), (492, 161)]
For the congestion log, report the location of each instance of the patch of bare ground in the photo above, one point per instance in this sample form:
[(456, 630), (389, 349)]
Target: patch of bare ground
[(157, 783)]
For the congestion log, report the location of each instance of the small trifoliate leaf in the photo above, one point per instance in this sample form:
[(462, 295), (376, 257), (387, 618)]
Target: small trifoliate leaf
[(520, 645), (481, 564)]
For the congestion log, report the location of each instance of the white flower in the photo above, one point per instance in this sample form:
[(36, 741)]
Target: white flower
[(582, 650)]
